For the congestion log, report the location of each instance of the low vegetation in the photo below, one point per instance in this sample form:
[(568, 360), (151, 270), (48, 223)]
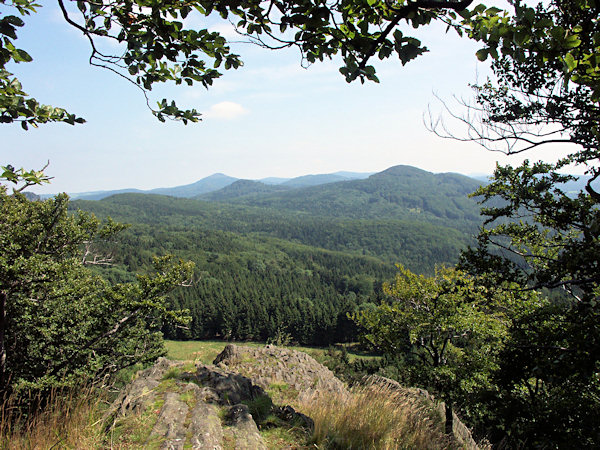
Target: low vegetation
[(206, 351), (374, 416), (72, 418), (367, 417)]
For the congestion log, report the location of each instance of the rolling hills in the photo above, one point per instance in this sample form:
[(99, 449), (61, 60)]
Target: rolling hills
[(272, 257)]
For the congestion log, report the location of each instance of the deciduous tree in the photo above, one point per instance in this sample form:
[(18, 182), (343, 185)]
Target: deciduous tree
[(545, 90), (60, 323), (449, 328), (157, 47)]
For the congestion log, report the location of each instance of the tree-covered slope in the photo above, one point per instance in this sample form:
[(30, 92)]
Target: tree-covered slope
[(253, 286), (401, 192), (242, 188), (270, 261), (417, 244)]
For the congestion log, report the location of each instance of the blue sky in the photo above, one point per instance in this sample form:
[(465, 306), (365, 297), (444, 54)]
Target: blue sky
[(269, 118)]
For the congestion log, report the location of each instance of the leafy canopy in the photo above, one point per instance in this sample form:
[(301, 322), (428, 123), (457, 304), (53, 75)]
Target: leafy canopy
[(157, 47), (60, 323), (545, 90), (449, 329)]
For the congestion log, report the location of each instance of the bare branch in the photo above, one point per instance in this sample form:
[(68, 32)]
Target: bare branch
[(507, 138)]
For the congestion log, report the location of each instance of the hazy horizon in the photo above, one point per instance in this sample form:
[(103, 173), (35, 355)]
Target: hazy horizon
[(269, 118), (37, 190)]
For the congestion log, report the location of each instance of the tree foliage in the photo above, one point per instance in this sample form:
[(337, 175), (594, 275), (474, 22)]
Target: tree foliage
[(15, 104), (59, 323), (545, 90), (546, 66), (158, 48), (449, 329)]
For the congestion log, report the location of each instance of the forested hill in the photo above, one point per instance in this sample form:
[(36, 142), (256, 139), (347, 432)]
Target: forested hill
[(419, 245), (296, 260), (400, 215), (398, 193), (243, 188)]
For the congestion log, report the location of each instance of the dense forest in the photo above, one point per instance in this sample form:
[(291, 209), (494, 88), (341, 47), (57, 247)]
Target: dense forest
[(263, 270)]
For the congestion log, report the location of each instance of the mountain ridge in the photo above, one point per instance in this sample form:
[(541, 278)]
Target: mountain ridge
[(220, 180), (399, 192)]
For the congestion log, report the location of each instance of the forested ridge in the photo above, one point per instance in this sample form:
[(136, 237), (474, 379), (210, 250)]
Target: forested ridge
[(267, 270), (400, 192)]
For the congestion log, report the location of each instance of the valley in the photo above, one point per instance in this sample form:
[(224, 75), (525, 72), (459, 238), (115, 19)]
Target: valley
[(273, 259)]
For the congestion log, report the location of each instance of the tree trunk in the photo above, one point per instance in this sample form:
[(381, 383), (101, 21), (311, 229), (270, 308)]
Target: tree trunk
[(449, 418), (3, 340)]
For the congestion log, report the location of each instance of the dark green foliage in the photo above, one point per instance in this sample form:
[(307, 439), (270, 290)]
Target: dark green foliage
[(546, 89), (59, 323), (260, 407), (249, 287), (262, 271), (548, 385)]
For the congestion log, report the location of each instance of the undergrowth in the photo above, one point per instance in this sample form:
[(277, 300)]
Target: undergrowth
[(68, 419), (373, 417)]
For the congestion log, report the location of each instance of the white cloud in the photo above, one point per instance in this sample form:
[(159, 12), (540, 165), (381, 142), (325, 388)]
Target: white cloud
[(225, 111)]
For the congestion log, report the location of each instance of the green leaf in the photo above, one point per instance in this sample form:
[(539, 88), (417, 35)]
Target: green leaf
[(21, 56), (572, 42), (14, 20), (482, 54), (570, 62)]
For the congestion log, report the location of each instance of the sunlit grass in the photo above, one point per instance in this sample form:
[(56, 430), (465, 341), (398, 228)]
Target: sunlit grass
[(206, 351), (70, 419), (369, 417), (373, 417)]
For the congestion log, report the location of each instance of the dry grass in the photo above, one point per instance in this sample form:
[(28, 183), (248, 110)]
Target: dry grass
[(373, 417), (71, 419)]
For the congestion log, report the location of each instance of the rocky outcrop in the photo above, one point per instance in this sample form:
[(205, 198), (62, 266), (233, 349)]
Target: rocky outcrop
[(228, 405), (270, 365), (199, 406)]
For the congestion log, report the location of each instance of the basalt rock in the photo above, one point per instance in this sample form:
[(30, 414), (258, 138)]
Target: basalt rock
[(198, 407), (270, 365), (211, 406)]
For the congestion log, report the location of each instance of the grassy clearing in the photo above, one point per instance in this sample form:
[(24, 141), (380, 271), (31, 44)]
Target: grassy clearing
[(373, 417), (206, 351)]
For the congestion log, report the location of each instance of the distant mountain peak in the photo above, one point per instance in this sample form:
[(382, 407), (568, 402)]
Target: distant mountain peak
[(402, 170)]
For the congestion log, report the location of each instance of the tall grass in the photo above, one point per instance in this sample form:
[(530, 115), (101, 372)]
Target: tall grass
[(373, 417), (69, 419)]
